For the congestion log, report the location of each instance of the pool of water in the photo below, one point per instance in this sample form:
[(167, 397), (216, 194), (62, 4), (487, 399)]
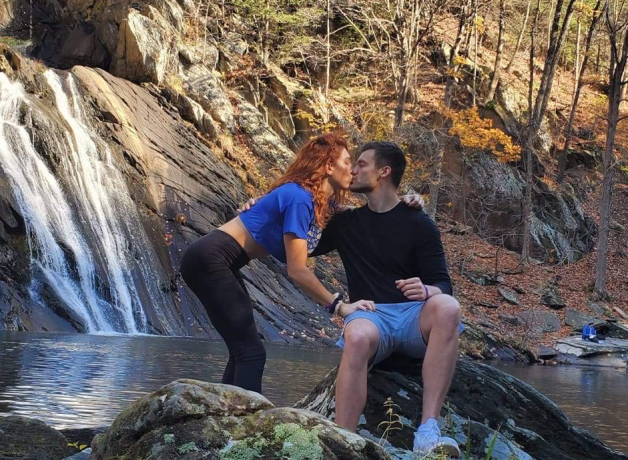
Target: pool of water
[(595, 398), (78, 380)]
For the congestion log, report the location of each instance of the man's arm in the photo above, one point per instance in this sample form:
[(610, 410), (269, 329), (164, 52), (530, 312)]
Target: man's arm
[(432, 265)]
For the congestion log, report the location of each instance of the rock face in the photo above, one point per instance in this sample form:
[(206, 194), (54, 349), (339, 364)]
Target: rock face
[(189, 419), (541, 321), (26, 438), (533, 427), (560, 230), (182, 187)]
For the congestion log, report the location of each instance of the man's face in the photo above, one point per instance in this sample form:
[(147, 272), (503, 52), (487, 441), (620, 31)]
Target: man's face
[(365, 173)]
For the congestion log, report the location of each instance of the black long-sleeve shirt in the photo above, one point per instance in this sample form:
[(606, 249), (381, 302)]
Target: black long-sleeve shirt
[(378, 248)]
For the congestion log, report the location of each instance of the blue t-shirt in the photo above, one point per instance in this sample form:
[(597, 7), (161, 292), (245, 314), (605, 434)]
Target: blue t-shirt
[(287, 209)]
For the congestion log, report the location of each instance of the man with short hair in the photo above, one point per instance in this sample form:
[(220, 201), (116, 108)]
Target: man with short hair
[(393, 255)]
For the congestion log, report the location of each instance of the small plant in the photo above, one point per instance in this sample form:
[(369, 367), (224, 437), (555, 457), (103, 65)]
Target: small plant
[(467, 454), (491, 444), (187, 448), (393, 422), (169, 438)]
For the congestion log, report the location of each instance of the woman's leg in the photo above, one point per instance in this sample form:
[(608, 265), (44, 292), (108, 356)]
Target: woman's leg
[(208, 269)]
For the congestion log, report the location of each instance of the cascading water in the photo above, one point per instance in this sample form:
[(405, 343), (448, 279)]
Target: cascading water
[(85, 237)]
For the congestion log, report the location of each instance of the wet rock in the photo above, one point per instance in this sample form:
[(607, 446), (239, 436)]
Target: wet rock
[(193, 419), (27, 438), (552, 298), (509, 295), (585, 349), (546, 352), (531, 425), (541, 321)]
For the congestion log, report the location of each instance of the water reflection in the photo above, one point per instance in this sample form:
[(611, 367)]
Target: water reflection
[(85, 380), (595, 398)]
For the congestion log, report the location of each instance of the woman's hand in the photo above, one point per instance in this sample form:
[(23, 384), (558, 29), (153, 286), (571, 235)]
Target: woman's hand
[(345, 309), (246, 206)]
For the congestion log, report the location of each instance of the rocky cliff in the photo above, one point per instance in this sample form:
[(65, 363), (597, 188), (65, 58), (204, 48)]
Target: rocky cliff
[(194, 124)]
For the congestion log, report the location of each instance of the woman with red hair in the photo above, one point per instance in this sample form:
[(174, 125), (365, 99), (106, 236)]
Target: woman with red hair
[(287, 223)]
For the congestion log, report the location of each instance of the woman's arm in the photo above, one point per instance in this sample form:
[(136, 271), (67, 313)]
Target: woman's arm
[(296, 256)]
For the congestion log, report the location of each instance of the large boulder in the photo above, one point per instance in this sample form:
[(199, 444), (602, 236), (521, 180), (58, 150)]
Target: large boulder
[(540, 321), (192, 419), (27, 438), (145, 47), (560, 230), (531, 426)]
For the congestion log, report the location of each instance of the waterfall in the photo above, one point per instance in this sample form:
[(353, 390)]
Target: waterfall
[(85, 237)]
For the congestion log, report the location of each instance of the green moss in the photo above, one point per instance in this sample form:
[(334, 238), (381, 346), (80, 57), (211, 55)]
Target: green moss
[(187, 448), (169, 438), (298, 443), (247, 449)]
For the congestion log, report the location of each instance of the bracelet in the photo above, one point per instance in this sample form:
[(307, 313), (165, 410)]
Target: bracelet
[(333, 306), (427, 292)]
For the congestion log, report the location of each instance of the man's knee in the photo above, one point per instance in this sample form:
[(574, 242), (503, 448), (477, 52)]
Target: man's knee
[(442, 310), (361, 339)]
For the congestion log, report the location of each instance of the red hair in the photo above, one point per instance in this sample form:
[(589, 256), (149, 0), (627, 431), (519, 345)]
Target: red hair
[(308, 170)]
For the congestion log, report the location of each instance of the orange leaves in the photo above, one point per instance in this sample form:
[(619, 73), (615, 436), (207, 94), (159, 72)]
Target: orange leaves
[(478, 133)]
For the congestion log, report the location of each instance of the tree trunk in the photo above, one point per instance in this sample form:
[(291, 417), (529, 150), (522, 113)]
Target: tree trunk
[(529, 146), (328, 71), (562, 159), (615, 89), (498, 56), (462, 25), (523, 28), (475, 55)]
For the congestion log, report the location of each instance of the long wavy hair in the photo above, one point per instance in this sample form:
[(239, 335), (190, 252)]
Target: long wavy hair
[(308, 170)]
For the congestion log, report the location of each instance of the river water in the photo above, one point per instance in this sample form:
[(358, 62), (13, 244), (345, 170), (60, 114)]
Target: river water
[(78, 380)]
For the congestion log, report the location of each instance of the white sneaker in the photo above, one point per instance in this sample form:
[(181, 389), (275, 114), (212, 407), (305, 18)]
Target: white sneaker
[(427, 439)]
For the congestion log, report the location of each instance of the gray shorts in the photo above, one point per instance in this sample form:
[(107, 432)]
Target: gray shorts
[(398, 326)]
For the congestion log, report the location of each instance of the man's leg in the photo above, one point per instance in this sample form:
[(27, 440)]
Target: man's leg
[(439, 320), (361, 340)]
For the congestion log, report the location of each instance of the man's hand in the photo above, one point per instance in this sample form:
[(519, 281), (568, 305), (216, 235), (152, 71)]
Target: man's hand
[(412, 288), (246, 206), (346, 309), (414, 201)]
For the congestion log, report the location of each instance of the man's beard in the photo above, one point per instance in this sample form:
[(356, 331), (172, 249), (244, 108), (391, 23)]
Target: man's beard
[(361, 188)]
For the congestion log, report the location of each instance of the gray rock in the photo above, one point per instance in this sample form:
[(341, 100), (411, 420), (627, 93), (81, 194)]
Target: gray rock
[(27, 438), (144, 49), (509, 295), (547, 352), (598, 309), (616, 226), (481, 279), (552, 298), (510, 319), (541, 321), (585, 349), (532, 426), (577, 319), (222, 421), (488, 305)]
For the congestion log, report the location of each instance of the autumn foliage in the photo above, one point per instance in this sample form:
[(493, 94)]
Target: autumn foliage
[(478, 133)]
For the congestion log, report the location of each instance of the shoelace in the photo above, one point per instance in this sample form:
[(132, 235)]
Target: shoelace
[(429, 431)]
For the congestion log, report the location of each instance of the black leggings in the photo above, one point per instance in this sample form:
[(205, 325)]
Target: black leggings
[(210, 267)]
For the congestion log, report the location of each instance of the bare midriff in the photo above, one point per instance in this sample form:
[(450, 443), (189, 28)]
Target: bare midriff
[(236, 230)]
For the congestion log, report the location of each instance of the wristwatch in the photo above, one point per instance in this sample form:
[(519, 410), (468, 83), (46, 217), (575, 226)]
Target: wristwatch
[(331, 308)]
